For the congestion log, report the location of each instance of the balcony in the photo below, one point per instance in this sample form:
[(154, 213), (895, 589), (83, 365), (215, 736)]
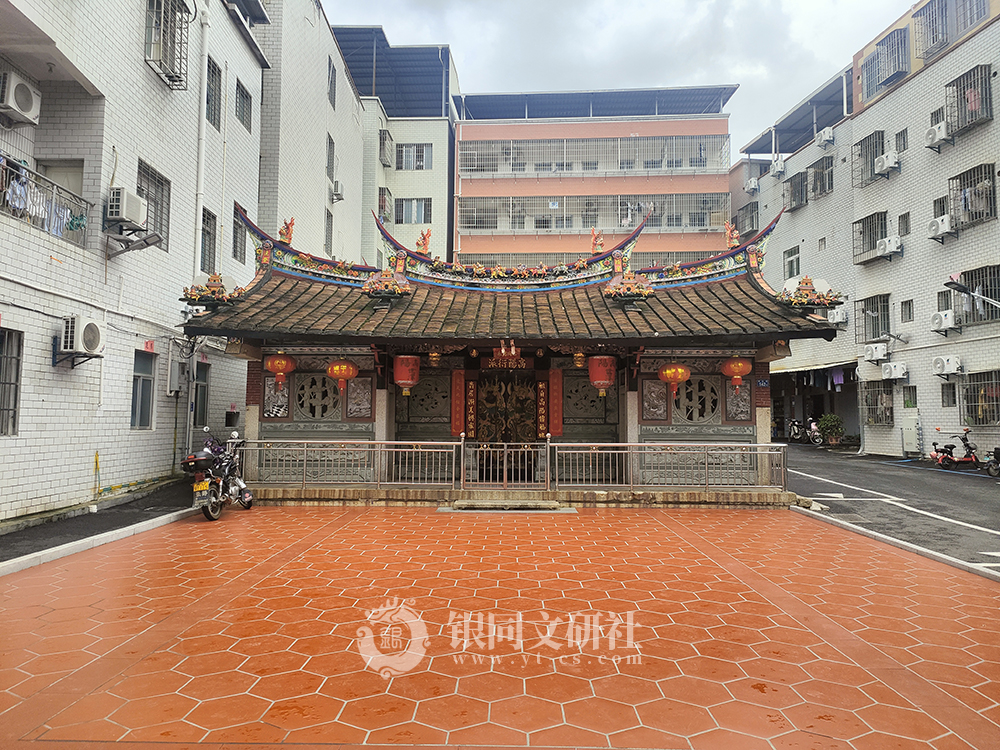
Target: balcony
[(29, 197)]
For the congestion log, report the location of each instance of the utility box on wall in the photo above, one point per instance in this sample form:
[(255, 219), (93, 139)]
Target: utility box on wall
[(910, 427)]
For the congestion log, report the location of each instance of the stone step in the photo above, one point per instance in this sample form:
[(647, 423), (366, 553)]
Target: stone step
[(511, 503)]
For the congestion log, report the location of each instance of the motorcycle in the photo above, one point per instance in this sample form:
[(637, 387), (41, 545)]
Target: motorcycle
[(945, 454), (993, 465), (797, 432), (815, 436), (218, 480)]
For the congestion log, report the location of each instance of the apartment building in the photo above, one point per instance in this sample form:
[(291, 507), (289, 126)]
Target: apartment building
[(536, 173), (907, 203)]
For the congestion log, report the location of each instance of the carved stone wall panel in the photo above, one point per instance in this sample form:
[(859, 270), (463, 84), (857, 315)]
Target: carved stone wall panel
[(275, 401), (698, 401), (738, 407), (654, 400), (429, 401), (359, 398), (583, 405), (317, 397)]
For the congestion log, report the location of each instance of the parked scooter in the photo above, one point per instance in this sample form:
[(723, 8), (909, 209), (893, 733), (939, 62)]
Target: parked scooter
[(814, 436), (945, 454), (797, 432), (218, 480), (993, 464)]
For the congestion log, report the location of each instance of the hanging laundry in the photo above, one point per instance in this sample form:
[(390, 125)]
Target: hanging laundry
[(60, 215), (38, 204), (972, 99), (17, 194)]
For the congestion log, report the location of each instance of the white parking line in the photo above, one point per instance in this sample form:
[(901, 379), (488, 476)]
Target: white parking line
[(898, 502)]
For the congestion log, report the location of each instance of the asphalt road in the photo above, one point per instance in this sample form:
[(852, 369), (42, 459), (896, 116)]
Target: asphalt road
[(951, 513)]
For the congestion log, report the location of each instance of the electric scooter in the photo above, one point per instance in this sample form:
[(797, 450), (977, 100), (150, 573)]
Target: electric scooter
[(945, 455)]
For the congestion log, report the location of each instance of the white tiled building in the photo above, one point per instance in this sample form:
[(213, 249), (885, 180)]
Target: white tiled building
[(913, 202)]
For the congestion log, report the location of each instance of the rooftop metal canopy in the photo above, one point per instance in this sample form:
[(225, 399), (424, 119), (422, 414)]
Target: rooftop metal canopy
[(689, 100), (797, 128)]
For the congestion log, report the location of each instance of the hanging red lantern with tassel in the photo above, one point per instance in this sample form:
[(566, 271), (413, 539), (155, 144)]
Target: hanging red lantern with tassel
[(603, 371), (280, 364), (735, 368), (406, 371), (341, 370), (674, 374)]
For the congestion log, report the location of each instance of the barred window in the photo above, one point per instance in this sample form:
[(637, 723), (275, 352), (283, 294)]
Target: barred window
[(796, 191), (11, 352), (903, 224), (214, 94), (244, 106), (155, 188), (413, 211), (876, 402), (386, 148), (821, 176), (863, 156), (906, 311), (937, 116), (969, 99), (980, 395), (385, 204), (887, 64), (909, 397), (417, 156), (973, 196), (871, 318), (748, 219), (167, 25), (331, 82), (970, 12), (143, 370), (791, 260), (239, 237), (328, 236), (331, 159), (985, 282), (931, 28), (949, 395), (944, 300), (207, 241), (866, 234), (902, 140), (940, 207)]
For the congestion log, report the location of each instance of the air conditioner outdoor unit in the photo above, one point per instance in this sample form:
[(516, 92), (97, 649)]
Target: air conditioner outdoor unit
[(886, 162), (946, 365), (338, 190), (943, 320), (837, 315), (939, 226), (82, 335), (19, 100), (936, 135), (125, 207), (778, 166), (751, 186), (824, 137), (888, 245), (893, 370), (875, 352)]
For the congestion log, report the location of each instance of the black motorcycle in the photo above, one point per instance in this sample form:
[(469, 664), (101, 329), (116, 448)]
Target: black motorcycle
[(993, 464), (218, 480)]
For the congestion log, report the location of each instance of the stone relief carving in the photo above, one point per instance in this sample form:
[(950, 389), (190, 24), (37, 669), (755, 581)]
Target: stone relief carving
[(316, 397), (583, 405)]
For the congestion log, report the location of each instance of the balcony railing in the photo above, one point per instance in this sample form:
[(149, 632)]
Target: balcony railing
[(525, 466), (36, 200)]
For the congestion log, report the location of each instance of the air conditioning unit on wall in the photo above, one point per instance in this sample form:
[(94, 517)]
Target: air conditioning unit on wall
[(19, 100), (939, 227), (82, 335), (936, 135), (946, 365), (824, 137), (888, 245), (943, 320), (751, 186), (893, 370), (778, 167), (875, 352), (837, 315), (886, 162), (125, 207)]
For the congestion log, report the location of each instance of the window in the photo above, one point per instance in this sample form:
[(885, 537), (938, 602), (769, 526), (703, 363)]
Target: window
[(142, 390), (969, 99), (331, 159), (207, 241), (543, 166), (903, 224), (155, 188), (698, 219), (386, 149), (214, 94), (863, 156), (986, 282), (626, 163), (871, 318), (821, 176), (980, 395), (973, 196), (970, 12), (331, 82), (167, 23), (944, 300), (328, 236), (821, 246), (239, 237), (588, 166), (417, 156), (11, 351), (652, 164), (385, 204), (930, 28), (887, 64), (866, 234), (940, 207), (796, 191), (543, 222), (902, 140), (413, 211), (564, 166), (937, 116), (906, 311), (949, 395), (518, 166), (909, 397), (244, 106), (747, 219), (563, 222), (201, 394), (876, 402), (791, 260)]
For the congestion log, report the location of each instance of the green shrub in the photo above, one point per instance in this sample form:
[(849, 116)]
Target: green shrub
[(830, 424)]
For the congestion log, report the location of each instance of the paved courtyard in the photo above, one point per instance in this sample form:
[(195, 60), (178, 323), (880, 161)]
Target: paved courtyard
[(315, 627)]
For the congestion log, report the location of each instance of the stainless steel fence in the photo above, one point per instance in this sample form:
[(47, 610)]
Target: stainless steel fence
[(32, 198), (527, 466)]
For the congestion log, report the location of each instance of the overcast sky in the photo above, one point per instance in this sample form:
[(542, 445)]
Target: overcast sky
[(778, 51)]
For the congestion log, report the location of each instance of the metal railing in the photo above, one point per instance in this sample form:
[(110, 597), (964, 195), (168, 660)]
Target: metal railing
[(32, 198), (523, 466)]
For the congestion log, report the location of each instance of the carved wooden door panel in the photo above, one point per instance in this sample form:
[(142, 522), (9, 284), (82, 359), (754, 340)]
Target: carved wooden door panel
[(507, 408)]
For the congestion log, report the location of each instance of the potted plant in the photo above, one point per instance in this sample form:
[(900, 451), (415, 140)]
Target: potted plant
[(831, 427)]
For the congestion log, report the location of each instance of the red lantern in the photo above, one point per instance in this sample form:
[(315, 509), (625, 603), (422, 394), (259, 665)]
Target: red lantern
[(341, 370), (603, 372), (735, 368), (674, 374), (279, 364), (406, 369)]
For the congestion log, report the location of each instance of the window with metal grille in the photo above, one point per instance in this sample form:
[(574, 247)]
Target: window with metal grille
[(244, 106), (748, 219), (903, 224), (486, 217), (985, 282), (980, 395), (417, 156), (909, 397), (207, 241), (213, 95), (973, 196), (940, 206), (949, 395), (155, 188), (863, 156), (167, 23), (944, 300), (328, 234), (821, 177), (239, 237), (969, 99), (331, 82), (11, 351), (902, 140), (871, 318), (906, 311), (791, 261), (970, 12), (887, 64), (937, 116), (866, 233), (331, 158), (413, 211), (385, 204), (876, 402), (143, 369), (386, 148), (930, 28), (795, 191), (201, 394), (563, 166)]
